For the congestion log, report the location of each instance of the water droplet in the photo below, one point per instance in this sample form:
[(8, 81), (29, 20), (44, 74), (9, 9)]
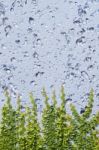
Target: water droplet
[(3, 46), (13, 59), (39, 73), (81, 11), (35, 55), (29, 30), (85, 75), (31, 20), (32, 82), (17, 41), (35, 35), (4, 20), (82, 110), (22, 81), (80, 40), (26, 54), (90, 28), (34, 1), (7, 29)]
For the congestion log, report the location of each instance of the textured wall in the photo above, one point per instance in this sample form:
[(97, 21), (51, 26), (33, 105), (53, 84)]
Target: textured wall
[(49, 43)]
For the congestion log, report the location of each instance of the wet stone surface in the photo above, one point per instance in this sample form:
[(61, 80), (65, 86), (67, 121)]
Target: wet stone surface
[(49, 43)]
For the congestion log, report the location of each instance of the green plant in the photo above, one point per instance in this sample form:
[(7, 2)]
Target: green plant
[(49, 126), (20, 128), (8, 139), (32, 126)]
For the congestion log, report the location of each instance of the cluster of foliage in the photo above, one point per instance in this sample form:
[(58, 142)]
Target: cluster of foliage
[(20, 128)]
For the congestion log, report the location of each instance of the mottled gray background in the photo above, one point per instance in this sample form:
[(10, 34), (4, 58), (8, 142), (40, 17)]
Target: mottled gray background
[(49, 43)]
